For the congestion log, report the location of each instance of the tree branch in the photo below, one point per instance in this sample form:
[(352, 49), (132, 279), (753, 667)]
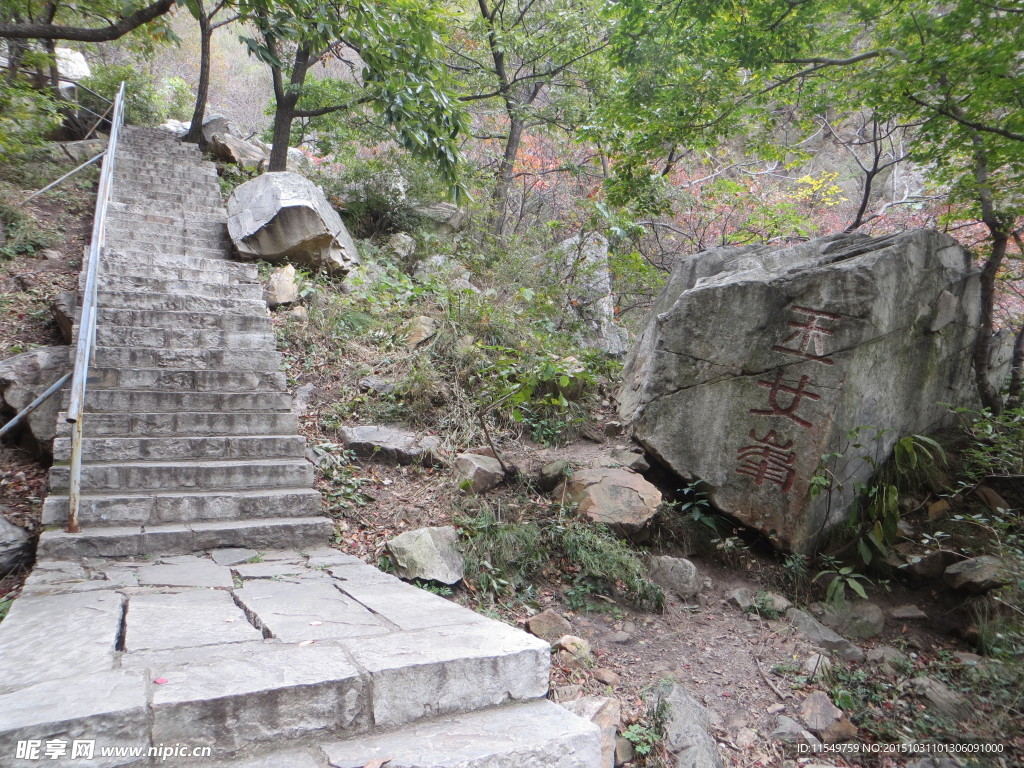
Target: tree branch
[(121, 27)]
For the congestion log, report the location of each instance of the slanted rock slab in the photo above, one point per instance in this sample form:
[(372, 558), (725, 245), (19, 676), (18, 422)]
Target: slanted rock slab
[(823, 637), (977, 574), (428, 553), (391, 444), (853, 619), (477, 473), (687, 730)]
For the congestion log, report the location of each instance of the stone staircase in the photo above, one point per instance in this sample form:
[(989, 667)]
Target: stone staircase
[(200, 609), (190, 442)]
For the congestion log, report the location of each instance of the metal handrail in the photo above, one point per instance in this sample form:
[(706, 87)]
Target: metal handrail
[(67, 175), (28, 409), (87, 323)]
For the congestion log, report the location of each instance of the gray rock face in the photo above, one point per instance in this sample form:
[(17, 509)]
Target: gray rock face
[(391, 444), (230, 149), (686, 731), (23, 378), (978, 574), (428, 553), (618, 498), (584, 266), (857, 620), (15, 546), (285, 217), (823, 637), (755, 362), (676, 574), (281, 288)]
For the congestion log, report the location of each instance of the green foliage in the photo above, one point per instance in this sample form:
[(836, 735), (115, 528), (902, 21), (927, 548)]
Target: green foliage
[(840, 577), (147, 101), (503, 557), (27, 115), (22, 234), (5, 606), (335, 464), (643, 738), (994, 444)]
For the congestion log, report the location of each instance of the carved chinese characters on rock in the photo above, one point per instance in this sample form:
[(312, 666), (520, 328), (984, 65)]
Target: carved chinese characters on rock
[(771, 457)]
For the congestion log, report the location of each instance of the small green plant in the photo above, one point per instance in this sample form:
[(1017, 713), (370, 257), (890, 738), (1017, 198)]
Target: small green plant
[(433, 587), (642, 737), (336, 465), (839, 578), (5, 606)]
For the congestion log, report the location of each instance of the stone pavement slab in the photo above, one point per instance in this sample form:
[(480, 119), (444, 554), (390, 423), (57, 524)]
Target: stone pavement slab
[(268, 570), (47, 637), (532, 734), (232, 555), (185, 619), (295, 613), (361, 573), (198, 574), (109, 707), (254, 693), (451, 669), (410, 607), (290, 758)]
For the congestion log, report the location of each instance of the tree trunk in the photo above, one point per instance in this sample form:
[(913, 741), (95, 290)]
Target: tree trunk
[(285, 102), (195, 131), (1017, 371), (989, 393), (506, 172)]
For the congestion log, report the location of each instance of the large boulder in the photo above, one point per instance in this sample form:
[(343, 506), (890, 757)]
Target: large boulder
[(23, 378), (285, 217), (583, 263), (756, 361)]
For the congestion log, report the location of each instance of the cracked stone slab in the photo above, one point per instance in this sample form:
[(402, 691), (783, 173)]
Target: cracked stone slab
[(232, 555), (410, 607), (201, 573), (109, 707), (316, 610), (535, 733), (451, 669), (328, 556), (48, 637), (267, 570), (232, 696), (361, 573), (184, 620)]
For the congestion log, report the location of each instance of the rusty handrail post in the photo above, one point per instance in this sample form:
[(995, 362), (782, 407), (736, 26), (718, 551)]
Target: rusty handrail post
[(87, 322)]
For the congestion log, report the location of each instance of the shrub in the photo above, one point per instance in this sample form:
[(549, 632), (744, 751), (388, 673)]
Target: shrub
[(148, 102)]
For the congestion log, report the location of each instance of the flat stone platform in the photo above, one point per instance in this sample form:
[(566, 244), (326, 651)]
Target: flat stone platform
[(315, 653)]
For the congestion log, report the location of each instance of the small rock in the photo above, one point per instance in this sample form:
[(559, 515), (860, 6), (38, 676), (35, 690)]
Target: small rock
[(618, 498), (281, 288), (940, 697), (605, 713), (978, 574), (775, 709), (577, 646), (564, 693), (428, 553), (63, 310), (888, 658), (620, 637), (826, 720), (376, 384), (856, 620), (817, 668), (303, 397), (908, 611), (390, 444), (630, 458), (614, 428), (606, 676), (51, 254), (299, 313), (548, 625), (824, 637), (968, 659), (675, 574), (401, 245), (760, 601), (418, 330), (15, 547), (790, 731), (624, 751), (746, 738), (928, 566), (551, 474), (478, 473), (686, 730)]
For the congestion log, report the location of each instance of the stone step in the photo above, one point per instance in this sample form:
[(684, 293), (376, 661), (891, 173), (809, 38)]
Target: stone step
[(180, 302), (132, 156), (534, 733), (158, 379), (244, 271), (187, 359), (127, 268), (111, 281), (149, 401), (146, 213), (183, 338), (193, 170), (242, 696), (165, 224), (154, 231), (185, 423), (156, 195), (146, 249), (96, 449), (183, 538), (154, 318), (185, 475), (147, 509), (167, 242)]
